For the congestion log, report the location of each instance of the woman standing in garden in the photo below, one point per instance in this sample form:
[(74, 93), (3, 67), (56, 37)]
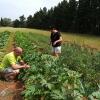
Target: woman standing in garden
[(56, 40)]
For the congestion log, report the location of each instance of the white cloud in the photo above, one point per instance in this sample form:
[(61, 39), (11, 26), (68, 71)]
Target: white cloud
[(15, 8)]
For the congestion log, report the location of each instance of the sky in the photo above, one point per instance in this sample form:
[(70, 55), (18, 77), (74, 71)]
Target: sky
[(15, 8)]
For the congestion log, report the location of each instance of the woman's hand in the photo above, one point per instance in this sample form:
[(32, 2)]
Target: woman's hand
[(55, 43)]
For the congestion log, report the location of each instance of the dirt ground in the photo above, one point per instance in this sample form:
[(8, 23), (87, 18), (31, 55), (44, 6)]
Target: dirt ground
[(11, 90)]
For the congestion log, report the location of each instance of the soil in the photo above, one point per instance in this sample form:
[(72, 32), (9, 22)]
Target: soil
[(11, 90)]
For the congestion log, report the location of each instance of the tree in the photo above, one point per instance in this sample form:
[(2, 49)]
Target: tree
[(95, 16), (83, 16), (40, 18), (29, 22), (16, 23), (22, 21), (5, 22), (72, 14), (1, 22), (50, 18), (60, 17)]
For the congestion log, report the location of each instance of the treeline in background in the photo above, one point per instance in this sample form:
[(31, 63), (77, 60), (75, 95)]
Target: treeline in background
[(81, 16)]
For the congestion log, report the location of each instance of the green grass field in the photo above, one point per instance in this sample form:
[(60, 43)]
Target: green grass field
[(87, 40)]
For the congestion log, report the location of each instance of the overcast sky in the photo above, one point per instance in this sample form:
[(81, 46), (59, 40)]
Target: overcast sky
[(15, 8)]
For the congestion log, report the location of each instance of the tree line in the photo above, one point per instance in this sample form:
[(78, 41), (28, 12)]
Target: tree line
[(81, 16)]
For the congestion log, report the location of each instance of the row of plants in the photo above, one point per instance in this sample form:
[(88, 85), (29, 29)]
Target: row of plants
[(74, 76), (38, 40), (4, 38), (87, 62)]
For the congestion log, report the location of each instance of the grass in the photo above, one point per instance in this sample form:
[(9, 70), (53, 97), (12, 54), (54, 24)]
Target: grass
[(87, 40)]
